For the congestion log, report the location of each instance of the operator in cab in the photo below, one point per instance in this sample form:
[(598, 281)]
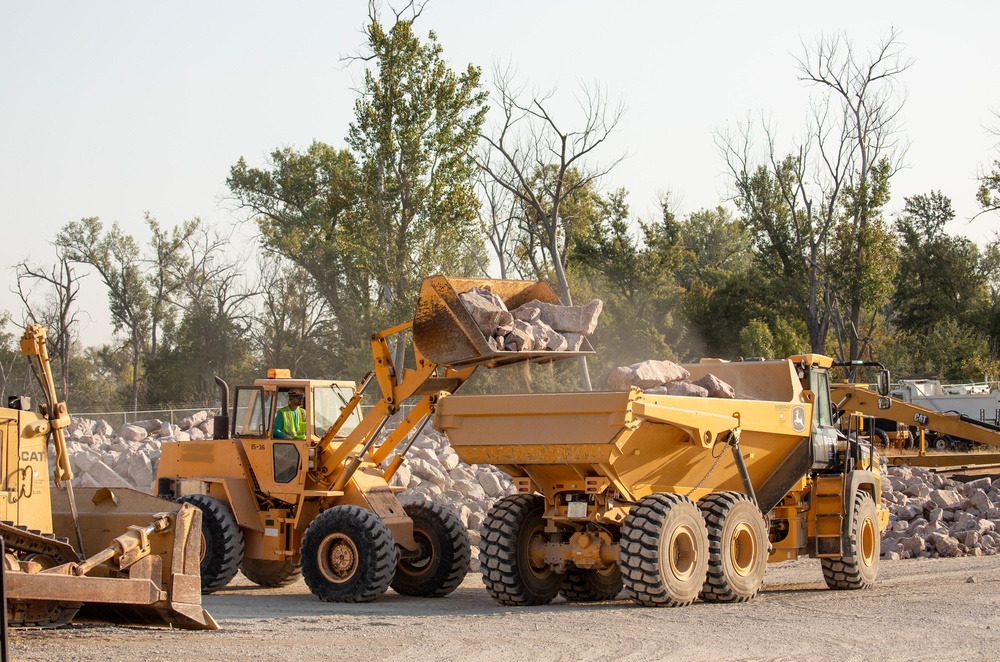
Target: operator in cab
[(290, 421)]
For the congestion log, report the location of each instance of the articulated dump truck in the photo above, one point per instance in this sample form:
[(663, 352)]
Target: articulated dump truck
[(134, 558), (670, 497)]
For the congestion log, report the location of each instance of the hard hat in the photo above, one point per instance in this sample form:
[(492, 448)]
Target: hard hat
[(296, 391)]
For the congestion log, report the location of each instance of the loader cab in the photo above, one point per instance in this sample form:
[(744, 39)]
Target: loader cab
[(256, 406)]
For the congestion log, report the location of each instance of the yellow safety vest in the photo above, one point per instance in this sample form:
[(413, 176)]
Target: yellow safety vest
[(293, 424)]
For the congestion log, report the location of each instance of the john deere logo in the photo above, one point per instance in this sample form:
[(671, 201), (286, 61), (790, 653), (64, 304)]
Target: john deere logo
[(798, 419)]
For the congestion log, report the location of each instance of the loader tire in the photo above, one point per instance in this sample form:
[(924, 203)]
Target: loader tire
[(512, 575), (737, 547), (222, 542), (858, 568), (270, 574), (443, 560), (664, 551), (348, 555), (883, 437), (591, 585)]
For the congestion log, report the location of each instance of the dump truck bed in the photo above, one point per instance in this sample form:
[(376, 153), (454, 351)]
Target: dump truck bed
[(642, 443)]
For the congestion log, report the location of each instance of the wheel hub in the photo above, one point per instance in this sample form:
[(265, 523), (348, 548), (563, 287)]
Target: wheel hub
[(682, 553), (338, 558), (743, 549)]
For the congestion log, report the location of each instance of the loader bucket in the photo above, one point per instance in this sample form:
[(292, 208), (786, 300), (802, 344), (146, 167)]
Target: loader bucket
[(163, 588), (445, 332)]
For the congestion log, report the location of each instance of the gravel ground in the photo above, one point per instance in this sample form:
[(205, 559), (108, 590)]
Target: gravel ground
[(919, 609)]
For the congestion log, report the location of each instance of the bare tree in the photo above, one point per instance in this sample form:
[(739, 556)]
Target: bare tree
[(542, 163), (817, 211), (59, 311), (293, 317)]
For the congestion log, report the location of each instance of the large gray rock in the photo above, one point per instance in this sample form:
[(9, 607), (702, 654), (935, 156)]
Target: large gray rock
[(101, 475), (131, 432), (646, 375), (488, 311), (573, 319), (946, 499), (716, 387), (193, 420)]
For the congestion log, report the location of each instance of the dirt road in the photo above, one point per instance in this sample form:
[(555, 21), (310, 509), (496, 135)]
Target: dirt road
[(919, 609)]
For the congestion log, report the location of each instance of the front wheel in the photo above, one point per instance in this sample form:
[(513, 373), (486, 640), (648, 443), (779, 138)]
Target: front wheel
[(348, 555), (442, 561), (222, 542), (859, 566)]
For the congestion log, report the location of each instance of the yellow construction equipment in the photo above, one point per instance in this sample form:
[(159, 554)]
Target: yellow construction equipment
[(134, 558), (936, 430), (321, 506), (671, 497)]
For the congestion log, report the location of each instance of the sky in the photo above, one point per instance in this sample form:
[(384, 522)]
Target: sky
[(114, 109)]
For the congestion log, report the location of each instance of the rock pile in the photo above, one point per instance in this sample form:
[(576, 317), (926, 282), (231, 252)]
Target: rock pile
[(931, 516), (534, 326), (667, 378)]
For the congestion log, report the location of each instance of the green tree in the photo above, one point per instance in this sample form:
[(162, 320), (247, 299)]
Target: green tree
[(939, 275)]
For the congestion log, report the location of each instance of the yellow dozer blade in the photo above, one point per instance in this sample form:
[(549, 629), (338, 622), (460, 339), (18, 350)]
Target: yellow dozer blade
[(140, 564), (445, 332)]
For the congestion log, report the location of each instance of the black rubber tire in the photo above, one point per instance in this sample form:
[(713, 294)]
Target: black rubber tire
[(588, 585), (444, 553), (882, 438), (858, 568), (505, 537), (737, 547), (348, 555), (271, 574), (664, 551), (222, 542)]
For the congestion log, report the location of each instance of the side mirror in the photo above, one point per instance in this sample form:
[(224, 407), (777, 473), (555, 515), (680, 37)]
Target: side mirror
[(883, 385), (884, 402)]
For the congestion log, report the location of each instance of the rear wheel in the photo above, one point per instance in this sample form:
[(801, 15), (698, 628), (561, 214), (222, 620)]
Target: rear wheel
[(591, 585), (883, 437), (664, 551), (859, 565), (737, 547), (348, 555), (270, 573), (222, 542), (511, 553), (442, 561)]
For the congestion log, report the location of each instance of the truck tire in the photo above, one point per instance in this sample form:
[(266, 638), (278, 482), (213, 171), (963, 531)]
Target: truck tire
[(348, 555), (859, 566), (443, 560), (664, 551), (512, 577), (737, 547), (591, 585), (882, 437), (271, 574), (222, 542)]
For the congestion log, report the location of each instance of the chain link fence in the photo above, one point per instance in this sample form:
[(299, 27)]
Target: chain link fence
[(172, 415)]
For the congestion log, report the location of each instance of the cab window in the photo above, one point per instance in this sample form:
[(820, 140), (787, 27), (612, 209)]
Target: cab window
[(329, 401), (819, 383)]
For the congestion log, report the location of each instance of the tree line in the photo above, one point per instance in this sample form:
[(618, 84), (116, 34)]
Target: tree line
[(441, 175)]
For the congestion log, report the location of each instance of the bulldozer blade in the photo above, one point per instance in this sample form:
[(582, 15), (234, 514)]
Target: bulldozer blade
[(163, 588), (445, 332)]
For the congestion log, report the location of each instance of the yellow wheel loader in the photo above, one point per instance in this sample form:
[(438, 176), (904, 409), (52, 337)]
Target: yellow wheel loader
[(96, 555), (276, 506)]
